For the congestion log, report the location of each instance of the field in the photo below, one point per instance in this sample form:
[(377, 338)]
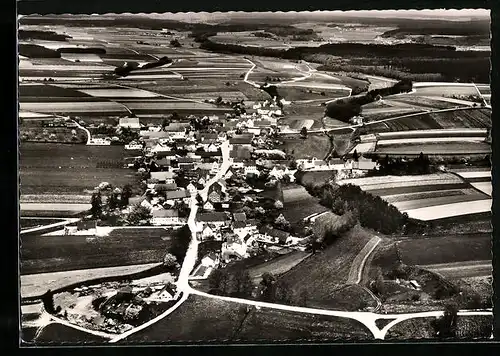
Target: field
[(327, 270), (445, 249), (427, 197), (469, 327), (62, 334), (463, 118), (314, 146), (278, 265), (64, 168), (25, 223), (43, 254), (205, 320), (299, 204), (37, 284)]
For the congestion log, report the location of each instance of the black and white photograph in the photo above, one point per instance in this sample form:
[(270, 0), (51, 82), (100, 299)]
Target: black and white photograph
[(255, 177)]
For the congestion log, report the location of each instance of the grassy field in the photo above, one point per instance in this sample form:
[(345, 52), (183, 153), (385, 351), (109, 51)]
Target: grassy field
[(66, 253), (469, 327), (62, 334), (31, 223), (37, 284), (298, 203), (446, 249), (64, 168), (325, 271), (278, 265), (201, 319), (316, 145)]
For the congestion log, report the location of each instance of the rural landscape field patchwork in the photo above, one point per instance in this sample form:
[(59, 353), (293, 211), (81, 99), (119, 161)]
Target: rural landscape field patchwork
[(259, 177)]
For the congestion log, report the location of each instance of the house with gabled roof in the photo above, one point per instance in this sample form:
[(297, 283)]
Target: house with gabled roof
[(251, 168), (166, 217), (240, 217), (191, 188), (216, 218), (208, 206), (278, 236)]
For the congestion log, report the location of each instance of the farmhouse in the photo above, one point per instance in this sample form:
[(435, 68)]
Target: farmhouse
[(217, 219), (183, 195), (210, 260), (251, 168), (130, 123), (165, 217), (278, 236)]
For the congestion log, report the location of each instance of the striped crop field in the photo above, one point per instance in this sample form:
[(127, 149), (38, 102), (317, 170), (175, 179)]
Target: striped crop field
[(479, 179), (107, 107), (449, 210), (427, 197), (442, 148)]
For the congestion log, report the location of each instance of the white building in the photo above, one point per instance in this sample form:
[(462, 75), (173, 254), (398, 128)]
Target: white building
[(167, 217)]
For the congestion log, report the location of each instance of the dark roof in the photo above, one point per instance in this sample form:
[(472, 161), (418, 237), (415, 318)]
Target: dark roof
[(243, 153), (214, 216), (177, 126), (208, 136), (186, 160), (163, 162), (281, 235), (171, 186), (204, 154), (241, 140), (177, 194), (186, 166), (239, 217), (239, 224)]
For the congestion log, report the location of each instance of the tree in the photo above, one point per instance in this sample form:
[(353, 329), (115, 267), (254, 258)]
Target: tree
[(446, 326), (303, 132), (139, 214), (243, 284), (379, 282), (268, 287), (96, 205), (170, 261), (293, 164), (180, 244), (219, 280), (355, 156), (278, 204), (113, 201), (126, 194), (218, 101), (282, 222), (175, 43), (199, 199), (303, 298)]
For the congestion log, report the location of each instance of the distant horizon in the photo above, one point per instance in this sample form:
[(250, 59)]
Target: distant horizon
[(448, 14)]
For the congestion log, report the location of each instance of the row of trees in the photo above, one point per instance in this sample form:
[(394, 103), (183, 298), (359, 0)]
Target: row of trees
[(398, 166)]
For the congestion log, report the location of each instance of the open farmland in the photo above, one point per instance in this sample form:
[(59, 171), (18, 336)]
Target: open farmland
[(57, 253), (437, 89), (445, 249), (415, 196), (299, 204), (443, 148), (202, 319), (278, 265), (59, 333), (65, 168), (316, 145), (327, 270), (37, 284)]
